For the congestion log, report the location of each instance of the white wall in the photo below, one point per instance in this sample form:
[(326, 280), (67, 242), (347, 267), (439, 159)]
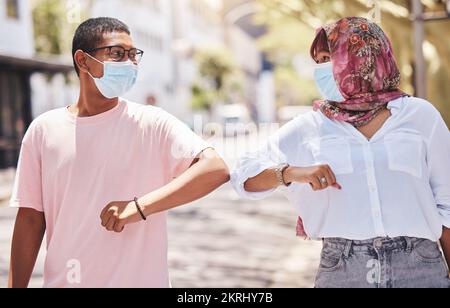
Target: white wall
[(16, 35)]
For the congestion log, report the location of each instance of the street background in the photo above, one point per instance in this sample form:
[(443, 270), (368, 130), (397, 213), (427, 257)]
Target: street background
[(230, 65)]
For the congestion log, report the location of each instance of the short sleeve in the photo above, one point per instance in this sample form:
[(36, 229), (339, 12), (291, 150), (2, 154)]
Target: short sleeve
[(179, 145), (27, 190)]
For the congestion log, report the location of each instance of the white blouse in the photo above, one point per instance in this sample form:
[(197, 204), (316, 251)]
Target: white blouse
[(396, 184)]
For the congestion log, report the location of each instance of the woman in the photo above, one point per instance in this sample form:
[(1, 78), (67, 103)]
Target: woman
[(368, 170)]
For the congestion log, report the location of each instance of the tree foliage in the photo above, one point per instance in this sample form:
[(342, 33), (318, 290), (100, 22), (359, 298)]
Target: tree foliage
[(216, 81)]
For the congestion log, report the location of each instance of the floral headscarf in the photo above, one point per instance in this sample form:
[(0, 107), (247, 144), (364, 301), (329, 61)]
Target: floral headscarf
[(364, 68)]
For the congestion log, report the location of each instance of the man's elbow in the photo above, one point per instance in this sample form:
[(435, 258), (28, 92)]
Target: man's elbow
[(221, 172)]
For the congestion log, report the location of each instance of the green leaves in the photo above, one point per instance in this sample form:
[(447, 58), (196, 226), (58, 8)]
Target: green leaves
[(218, 78)]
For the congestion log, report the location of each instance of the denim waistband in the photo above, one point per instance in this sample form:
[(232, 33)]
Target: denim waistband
[(379, 244)]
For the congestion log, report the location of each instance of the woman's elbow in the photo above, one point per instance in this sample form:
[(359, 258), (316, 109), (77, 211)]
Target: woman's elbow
[(249, 186)]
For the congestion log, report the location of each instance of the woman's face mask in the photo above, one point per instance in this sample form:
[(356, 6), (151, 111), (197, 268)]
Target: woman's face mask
[(326, 83), (118, 78)]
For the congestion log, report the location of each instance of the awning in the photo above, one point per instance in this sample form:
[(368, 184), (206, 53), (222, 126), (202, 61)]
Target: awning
[(52, 64)]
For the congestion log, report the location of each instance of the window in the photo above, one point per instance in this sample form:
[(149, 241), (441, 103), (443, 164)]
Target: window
[(12, 8)]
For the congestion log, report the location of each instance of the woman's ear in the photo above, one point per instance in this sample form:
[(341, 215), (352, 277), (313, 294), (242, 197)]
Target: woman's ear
[(80, 61)]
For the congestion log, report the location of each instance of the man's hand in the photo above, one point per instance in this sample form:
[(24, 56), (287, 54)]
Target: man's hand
[(118, 214)]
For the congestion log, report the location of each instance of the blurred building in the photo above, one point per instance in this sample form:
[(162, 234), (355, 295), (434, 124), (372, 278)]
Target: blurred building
[(196, 25), (242, 33), (202, 24), (244, 47), (15, 18), (17, 66)]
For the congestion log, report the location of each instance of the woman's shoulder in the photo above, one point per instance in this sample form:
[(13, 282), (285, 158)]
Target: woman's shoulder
[(309, 118), (420, 115), (301, 122), (302, 126), (419, 107)]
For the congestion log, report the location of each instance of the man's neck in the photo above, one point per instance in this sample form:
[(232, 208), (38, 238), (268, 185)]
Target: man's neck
[(93, 106)]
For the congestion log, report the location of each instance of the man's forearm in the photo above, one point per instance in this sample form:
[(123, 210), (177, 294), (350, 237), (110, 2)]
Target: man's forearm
[(198, 181), (28, 234), (445, 243)]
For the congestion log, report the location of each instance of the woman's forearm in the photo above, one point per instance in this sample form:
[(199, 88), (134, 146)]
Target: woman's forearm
[(268, 180), (264, 181)]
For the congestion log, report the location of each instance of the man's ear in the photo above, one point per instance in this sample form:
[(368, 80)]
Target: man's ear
[(80, 60)]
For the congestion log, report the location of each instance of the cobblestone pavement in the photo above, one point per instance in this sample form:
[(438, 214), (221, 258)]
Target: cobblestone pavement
[(220, 241)]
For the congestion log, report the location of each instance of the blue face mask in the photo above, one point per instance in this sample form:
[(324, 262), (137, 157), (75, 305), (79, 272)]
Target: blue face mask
[(326, 83), (118, 78)]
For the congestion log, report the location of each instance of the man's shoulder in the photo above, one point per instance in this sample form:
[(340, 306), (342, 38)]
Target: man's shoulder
[(152, 114), (136, 108), (47, 122), (48, 118)]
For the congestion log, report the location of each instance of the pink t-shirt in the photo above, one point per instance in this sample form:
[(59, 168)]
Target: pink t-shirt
[(70, 168)]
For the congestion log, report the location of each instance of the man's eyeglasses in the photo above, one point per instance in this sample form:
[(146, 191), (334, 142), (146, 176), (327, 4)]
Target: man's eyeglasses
[(117, 53)]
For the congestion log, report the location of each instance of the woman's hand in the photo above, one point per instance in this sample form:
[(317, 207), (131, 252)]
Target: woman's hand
[(319, 177)]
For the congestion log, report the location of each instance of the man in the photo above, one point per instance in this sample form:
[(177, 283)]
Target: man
[(99, 175)]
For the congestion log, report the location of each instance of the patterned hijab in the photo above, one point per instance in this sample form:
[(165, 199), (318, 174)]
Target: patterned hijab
[(364, 68)]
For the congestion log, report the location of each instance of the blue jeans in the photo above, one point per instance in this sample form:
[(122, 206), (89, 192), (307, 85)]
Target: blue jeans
[(382, 263)]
